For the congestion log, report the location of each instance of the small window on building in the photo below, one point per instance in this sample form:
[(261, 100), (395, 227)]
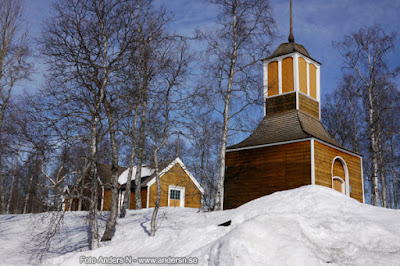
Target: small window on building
[(175, 194)]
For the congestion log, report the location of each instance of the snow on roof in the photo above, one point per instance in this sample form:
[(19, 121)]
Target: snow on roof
[(146, 171)]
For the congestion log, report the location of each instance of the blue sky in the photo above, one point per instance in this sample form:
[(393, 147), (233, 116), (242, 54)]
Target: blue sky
[(317, 23)]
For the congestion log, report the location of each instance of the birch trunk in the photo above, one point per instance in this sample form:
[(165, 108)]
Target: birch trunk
[(220, 186), (157, 207), (28, 193), (374, 148), (138, 179), (93, 224), (13, 178), (2, 189), (112, 220), (127, 198)]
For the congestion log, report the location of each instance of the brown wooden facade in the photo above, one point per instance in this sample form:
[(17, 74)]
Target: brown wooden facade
[(176, 177), (173, 177), (331, 162), (254, 172)]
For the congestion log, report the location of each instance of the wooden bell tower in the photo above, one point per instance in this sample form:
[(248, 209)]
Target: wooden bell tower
[(290, 147)]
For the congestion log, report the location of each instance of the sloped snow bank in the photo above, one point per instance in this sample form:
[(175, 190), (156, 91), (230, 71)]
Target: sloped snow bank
[(310, 225)]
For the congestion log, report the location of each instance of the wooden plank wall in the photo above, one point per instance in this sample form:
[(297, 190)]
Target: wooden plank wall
[(143, 195), (176, 176), (273, 82), (313, 81), (254, 173), (303, 75), (308, 105), (324, 156), (338, 169), (281, 103), (107, 200), (287, 74)]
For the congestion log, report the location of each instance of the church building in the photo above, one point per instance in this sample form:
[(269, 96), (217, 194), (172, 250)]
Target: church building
[(290, 147)]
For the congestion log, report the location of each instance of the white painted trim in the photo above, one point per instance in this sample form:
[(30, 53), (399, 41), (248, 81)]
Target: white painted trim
[(182, 190), (309, 97), (265, 66), (362, 179), (319, 89), (273, 96), (308, 79), (166, 169), (340, 149), (190, 175), (118, 198), (148, 197), (296, 72), (297, 100), (102, 199), (341, 181), (318, 83), (268, 145), (312, 162), (280, 57), (280, 77), (102, 192), (292, 55), (346, 174)]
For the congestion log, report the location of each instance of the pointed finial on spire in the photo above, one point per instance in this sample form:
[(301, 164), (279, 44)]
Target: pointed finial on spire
[(291, 36)]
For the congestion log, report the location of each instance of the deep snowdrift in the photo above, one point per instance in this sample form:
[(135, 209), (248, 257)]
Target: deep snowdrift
[(311, 225)]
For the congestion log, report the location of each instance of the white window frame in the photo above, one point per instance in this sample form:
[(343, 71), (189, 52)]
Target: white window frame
[(344, 191), (182, 192), (346, 182)]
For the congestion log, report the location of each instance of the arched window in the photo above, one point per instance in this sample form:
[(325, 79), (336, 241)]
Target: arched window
[(340, 176), (338, 184)]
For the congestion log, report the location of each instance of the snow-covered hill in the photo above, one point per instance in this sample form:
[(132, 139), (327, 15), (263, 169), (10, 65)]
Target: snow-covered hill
[(311, 225)]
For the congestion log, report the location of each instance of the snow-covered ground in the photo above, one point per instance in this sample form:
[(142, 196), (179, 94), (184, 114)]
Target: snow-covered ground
[(311, 225)]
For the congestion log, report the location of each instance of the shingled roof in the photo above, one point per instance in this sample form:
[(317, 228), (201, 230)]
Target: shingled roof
[(290, 47), (286, 126)]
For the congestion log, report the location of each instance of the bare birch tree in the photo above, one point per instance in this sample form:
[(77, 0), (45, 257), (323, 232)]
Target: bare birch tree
[(365, 55), (173, 105), (241, 37), (148, 61), (85, 44), (14, 65)]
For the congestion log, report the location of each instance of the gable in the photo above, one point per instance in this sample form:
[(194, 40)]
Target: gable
[(176, 172)]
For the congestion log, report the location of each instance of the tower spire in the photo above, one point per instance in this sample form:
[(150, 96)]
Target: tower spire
[(291, 36)]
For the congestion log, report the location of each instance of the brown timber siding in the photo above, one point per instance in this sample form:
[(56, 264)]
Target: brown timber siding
[(281, 103), (308, 105), (338, 169), (303, 75), (143, 195), (287, 74), (253, 173), (324, 156), (107, 200), (313, 81), (176, 176), (273, 86)]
